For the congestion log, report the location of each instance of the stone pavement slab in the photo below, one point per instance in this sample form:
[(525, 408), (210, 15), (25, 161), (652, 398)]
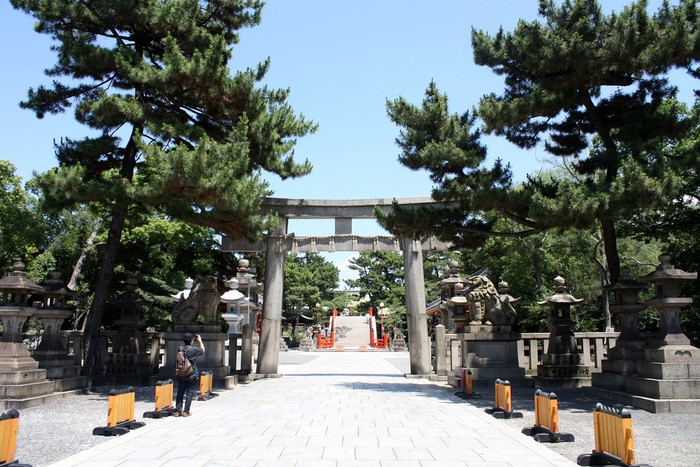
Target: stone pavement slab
[(332, 409)]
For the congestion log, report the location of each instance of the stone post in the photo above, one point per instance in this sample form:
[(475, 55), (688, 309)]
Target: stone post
[(440, 351), (246, 350), (270, 331), (233, 352), (418, 340)]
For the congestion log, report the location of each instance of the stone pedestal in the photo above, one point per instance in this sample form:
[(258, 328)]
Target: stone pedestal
[(22, 382), (491, 353), (53, 357), (215, 349)]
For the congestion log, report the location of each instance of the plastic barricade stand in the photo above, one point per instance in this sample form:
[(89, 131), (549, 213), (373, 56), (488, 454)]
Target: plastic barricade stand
[(546, 429), (614, 441), (503, 407), (164, 400), (206, 382), (466, 383), (9, 427), (120, 413)]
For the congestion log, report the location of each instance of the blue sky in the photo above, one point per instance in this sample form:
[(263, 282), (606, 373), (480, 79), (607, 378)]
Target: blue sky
[(341, 59)]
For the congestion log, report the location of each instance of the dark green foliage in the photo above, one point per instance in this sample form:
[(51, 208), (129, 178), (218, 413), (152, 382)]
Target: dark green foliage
[(309, 279), (448, 146), (580, 76), (22, 230), (173, 128)]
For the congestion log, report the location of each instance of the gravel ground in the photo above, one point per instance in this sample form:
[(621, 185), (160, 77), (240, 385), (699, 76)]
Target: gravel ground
[(54, 431)]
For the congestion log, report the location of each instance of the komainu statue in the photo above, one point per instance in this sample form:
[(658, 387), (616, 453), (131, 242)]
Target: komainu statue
[(203, 300), (486, 305)]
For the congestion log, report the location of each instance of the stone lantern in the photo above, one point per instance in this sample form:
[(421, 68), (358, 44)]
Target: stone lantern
[(630, 343), (129, 363), (51, 353), (561, 364), (21, 380), (455, 307), (672, 345), (665, 376), (233, 299), (248, 286)]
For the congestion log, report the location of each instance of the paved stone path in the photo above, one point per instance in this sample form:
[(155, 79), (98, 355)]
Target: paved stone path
[(332, 409)]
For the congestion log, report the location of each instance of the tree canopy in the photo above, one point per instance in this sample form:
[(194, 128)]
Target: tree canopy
[(172, 127), (593, 89)]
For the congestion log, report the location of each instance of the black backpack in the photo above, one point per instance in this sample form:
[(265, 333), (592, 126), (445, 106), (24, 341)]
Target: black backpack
[(183, 366)]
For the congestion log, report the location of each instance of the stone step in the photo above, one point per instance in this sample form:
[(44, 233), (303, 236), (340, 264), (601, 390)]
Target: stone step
[(351, 331)]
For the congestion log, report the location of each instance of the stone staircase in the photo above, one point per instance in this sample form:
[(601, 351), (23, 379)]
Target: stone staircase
[(351, 332)]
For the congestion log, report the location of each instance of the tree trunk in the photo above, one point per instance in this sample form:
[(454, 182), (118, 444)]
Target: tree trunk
[(611, 254), (604, 282), (89, 243), (93, 361)]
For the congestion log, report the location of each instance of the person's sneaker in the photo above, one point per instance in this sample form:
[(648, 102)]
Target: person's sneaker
[(186, 414), (177, 413)]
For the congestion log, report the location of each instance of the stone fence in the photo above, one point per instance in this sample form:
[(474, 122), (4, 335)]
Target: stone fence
[(532, 345), (154, 347)]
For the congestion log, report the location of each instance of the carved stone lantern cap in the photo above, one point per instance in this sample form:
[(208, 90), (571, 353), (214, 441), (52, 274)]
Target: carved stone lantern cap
[(54, 286), (665, 271), (503, 289), (453, 265), (232, 295), (459, 298), (189, 282), (130, 295), (626, 282), (562, 295), (17, 281)]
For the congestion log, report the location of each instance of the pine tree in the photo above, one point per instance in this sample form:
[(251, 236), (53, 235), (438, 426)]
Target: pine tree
[(172, 127), (593, 88)]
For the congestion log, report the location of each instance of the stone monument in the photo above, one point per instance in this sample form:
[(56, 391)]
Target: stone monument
[(561, 364), (489, 345), (51, 354), (662, 375), (482, 319), (22, 382), (128, 362)]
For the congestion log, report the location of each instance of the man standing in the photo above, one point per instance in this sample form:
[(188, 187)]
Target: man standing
[(187, 385)]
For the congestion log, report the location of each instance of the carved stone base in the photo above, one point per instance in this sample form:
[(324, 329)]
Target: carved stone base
[(491, 356), (562, 371), (128, 369), (307, 344), (674, 354)]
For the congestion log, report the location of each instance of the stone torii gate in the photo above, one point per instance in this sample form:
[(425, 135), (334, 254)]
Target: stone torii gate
[(277, 243)]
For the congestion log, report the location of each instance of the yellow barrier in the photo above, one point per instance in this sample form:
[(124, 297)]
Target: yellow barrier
[(614, 440), (164, 400), (503, 396), (206, 382), (547, 410), (120, 413), (467, 382), (120, 407), (546, 427), (9, 427), (503, 407), (164, 394), (467, 385)]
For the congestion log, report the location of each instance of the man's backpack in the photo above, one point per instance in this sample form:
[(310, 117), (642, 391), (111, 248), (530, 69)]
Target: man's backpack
[(183, 367)]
